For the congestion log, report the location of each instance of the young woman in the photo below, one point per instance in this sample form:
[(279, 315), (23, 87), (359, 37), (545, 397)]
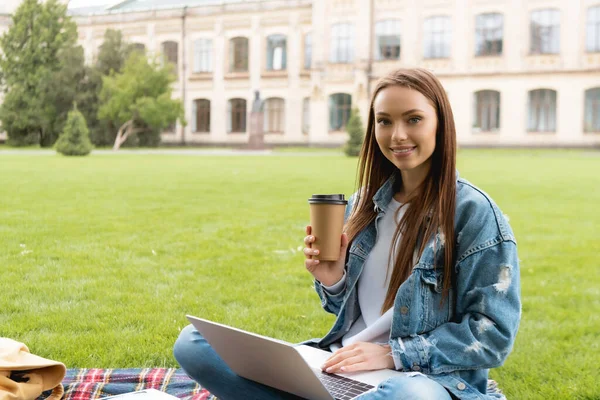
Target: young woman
[(428, 276)]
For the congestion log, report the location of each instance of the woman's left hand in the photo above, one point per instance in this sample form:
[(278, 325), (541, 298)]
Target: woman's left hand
[(360, 356)]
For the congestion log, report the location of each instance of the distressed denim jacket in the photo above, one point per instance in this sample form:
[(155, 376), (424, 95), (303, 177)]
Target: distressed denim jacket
[(457, 341)]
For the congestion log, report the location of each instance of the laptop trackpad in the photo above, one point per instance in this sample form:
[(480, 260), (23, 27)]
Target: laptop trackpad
[(316, 357)]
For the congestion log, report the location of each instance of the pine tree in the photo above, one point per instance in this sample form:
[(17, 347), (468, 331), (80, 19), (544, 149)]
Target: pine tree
[(75, 139), (356, 132)]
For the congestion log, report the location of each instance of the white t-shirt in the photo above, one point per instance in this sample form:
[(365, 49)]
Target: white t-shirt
[(373, 283)]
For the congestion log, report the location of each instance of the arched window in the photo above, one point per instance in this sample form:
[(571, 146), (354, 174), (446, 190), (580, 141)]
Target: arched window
[(236, 112), (238, 54), (306, 115), (387, 40), (274, 115), (545, 32), (201, 115), (276, 52), (340, 105), (437, 37), (489, 32), (170, 54), (542, 111), (487, 111), (342, 43), (592, 110), (203, 55), (307, 50), (592, 38)]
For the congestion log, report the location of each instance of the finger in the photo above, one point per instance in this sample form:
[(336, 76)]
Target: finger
[(344, 245), (308, 229), (360, 366), (338, 356), (308, 240), (311, 264), (344, 239), (344, 365), (308, 252)]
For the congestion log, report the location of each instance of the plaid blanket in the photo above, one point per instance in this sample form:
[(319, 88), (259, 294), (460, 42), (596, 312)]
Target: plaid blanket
[(89, 384)]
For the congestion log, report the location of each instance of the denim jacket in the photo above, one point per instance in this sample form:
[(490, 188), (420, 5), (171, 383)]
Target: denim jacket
[(457, 341)]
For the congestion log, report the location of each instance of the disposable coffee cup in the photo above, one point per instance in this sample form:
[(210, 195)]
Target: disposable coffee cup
[(327, 222)]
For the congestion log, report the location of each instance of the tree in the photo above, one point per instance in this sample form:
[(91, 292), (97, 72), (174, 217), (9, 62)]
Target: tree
[(113, 53), (40, 66), (75, 140), (63, 89), (356, 132), (139, 98)]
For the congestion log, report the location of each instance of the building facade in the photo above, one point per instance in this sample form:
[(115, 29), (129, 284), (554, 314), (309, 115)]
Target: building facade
[(517, 72)]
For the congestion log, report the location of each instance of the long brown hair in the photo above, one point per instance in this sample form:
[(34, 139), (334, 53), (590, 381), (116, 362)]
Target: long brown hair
[(431, 207)]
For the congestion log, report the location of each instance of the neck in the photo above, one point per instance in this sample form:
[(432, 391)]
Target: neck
[(411, 180)]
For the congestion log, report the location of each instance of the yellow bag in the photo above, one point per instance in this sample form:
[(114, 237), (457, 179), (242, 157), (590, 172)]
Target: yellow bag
[(24, 376)]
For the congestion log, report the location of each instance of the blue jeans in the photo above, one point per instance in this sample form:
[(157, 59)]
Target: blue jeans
[(204, 365)]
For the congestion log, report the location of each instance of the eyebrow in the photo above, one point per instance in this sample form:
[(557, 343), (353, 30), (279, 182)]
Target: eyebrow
[(404, 113)]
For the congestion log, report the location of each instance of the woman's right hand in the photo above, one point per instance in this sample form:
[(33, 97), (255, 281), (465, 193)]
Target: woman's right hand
[(326, 272)]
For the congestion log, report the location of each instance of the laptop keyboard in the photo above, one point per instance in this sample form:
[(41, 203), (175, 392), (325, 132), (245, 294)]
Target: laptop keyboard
[(342, 388)]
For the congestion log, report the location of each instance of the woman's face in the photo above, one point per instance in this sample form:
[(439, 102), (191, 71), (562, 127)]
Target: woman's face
[(405, 128)]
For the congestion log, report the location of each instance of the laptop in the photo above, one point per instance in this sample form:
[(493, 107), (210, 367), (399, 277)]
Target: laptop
[(292, 368), (146, 394)]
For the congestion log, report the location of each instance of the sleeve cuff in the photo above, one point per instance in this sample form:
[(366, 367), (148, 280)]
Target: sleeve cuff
[(336, 288), (409, 354)]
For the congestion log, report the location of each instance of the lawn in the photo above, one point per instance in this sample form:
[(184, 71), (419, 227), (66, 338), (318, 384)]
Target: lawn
[(103, 256)]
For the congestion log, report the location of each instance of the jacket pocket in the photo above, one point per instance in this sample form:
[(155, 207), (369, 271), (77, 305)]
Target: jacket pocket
[(436, 310), (432, 279)]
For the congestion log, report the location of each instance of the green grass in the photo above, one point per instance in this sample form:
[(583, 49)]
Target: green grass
[(104, 255), (314, 150)]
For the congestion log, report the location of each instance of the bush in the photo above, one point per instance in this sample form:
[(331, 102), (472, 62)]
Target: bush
[(75, 139), (356, 132)]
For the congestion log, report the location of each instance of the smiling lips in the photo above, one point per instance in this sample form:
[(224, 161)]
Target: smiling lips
[(402, 151)]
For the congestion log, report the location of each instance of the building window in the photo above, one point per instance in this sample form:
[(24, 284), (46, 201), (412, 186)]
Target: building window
[(203, 55), (387, 40), (236, 110), (592, 110), (306, 115), (489, 31), (592, 40), (201, 115), (170, 54), (437, 37), (141, 47), (238, 54), (545, 32), (340, 105), (274, 115), (342, 43), (487, 111), (276, 52), (307, 50), (542, 111)]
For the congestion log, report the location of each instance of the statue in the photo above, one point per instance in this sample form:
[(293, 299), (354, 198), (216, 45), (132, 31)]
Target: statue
[(256, 139)]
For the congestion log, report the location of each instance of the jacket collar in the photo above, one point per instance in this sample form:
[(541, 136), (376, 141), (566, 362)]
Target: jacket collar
[(383, 196), (385, 193)]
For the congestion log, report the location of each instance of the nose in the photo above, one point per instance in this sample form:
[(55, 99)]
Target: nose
[(399, 133)]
